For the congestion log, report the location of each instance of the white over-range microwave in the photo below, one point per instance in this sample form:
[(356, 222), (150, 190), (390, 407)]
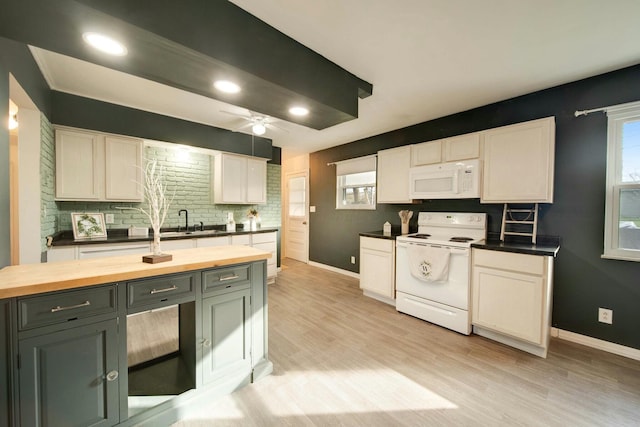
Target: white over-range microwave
[(454, 180)]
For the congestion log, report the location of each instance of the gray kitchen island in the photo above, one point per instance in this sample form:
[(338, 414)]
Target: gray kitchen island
[(65, 336)]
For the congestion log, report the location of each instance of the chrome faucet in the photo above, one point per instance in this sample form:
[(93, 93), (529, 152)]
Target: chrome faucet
[(186, 219)]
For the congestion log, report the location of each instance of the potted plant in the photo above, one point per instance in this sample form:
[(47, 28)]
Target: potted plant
[(254, 219)]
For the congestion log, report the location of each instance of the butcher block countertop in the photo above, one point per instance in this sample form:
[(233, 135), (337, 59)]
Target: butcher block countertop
[(29, 279)]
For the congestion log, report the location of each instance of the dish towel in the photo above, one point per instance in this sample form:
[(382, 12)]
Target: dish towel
[(429, 264)]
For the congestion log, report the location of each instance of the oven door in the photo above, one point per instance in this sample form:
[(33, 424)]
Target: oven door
[(444, 303), (453, 292)]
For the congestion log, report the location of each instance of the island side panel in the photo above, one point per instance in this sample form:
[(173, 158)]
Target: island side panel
[(260, 321)]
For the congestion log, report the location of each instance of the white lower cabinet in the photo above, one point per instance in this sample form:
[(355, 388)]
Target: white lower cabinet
[(207, 242), (377, 268), (268, 242), (98, 250), (511, 298)]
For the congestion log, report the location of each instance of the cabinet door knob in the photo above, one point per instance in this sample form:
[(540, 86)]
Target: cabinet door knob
[(112, 376), (304, 222), (206, 342)]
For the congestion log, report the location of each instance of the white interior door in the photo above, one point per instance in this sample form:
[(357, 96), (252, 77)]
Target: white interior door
[(297, 217)]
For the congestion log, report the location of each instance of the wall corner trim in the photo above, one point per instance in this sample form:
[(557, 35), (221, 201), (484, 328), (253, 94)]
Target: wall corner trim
[(620, 350)]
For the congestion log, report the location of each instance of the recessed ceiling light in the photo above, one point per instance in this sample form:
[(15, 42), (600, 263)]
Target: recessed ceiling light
[(226, 86), (105, 44), (299, 111)]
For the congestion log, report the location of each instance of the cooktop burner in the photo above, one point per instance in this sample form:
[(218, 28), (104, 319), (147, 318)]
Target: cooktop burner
[(461, 239), (421, 236)]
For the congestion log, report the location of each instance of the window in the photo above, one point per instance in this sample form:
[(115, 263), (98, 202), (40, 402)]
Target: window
[(356, 183), (622, 216)]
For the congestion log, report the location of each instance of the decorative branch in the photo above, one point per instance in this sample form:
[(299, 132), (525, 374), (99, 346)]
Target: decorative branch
[(155, 192)]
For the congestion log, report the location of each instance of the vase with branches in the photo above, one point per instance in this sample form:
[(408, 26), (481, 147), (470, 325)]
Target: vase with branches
[(158, 201)]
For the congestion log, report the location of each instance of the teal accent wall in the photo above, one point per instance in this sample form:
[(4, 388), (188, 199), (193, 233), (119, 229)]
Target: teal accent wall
[(187, 175)]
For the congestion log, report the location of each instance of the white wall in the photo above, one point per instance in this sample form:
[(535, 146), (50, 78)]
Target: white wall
[(29, 185)]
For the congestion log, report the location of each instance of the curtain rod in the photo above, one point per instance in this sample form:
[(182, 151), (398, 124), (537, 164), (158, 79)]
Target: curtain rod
[(585, 112), (613, 108)]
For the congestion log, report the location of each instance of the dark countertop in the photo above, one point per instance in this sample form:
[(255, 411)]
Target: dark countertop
[(65, 238), (546, 246), (378, 234)]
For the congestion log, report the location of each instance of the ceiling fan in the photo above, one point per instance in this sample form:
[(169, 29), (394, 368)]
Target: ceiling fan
[(259, 123)]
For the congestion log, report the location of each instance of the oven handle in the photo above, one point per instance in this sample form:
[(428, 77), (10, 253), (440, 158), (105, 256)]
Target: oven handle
[(454, 250)]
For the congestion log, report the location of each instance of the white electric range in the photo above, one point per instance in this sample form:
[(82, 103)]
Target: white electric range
[(446, 301)]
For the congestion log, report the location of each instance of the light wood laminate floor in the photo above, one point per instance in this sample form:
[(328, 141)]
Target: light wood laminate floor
[(344, 359)]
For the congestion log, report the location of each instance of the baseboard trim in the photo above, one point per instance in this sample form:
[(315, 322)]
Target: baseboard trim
[(620, 350), (334, 269)]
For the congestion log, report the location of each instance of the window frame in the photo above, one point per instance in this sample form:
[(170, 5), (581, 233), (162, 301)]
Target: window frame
[(616, 117), (352, 167)]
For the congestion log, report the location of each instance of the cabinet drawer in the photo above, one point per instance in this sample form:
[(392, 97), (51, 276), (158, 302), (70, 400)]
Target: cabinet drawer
[(160, 289), (263, 238), (384, 245), (223, 280), (530, 264), (60, 307)]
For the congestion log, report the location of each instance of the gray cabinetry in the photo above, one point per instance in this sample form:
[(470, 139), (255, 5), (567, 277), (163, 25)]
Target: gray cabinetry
[(63, 355), (68, 366), (5, 384), (226, 331), (70, 377)]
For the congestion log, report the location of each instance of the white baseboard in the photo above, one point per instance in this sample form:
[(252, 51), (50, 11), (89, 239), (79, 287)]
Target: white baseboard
[(334, 269), (607, 346)]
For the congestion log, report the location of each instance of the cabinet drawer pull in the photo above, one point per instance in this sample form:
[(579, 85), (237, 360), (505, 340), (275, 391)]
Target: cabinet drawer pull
[(231, 277), (112, 376), (159, 291), (58, 308)]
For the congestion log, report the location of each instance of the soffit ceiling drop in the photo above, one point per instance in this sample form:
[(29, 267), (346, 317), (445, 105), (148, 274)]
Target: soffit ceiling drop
[(189, 44)]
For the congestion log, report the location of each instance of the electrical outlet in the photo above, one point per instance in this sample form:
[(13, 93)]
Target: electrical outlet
[(605, 315), (353, 260), (108, 218)]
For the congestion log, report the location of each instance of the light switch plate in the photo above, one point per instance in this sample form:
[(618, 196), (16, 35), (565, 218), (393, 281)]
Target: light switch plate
[(108, 218), (312, 208)]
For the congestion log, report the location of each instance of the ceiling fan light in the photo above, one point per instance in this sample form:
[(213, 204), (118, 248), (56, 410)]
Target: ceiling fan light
[(105, 44), (226, 86), (299, 111), (258, 129)]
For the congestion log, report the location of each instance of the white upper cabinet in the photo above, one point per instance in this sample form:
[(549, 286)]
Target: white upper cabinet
[(256, 181), (426, 153), (461, 147), (518, 162), (79, 160), (393, 175), (97, 167), (123, 168), (239, 179)]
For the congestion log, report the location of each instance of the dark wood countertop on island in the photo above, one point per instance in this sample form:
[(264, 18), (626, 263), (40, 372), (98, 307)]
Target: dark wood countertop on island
[(28, 279)]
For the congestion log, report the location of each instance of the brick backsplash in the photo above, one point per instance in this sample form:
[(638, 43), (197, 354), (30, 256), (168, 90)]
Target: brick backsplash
[(188, 175)]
